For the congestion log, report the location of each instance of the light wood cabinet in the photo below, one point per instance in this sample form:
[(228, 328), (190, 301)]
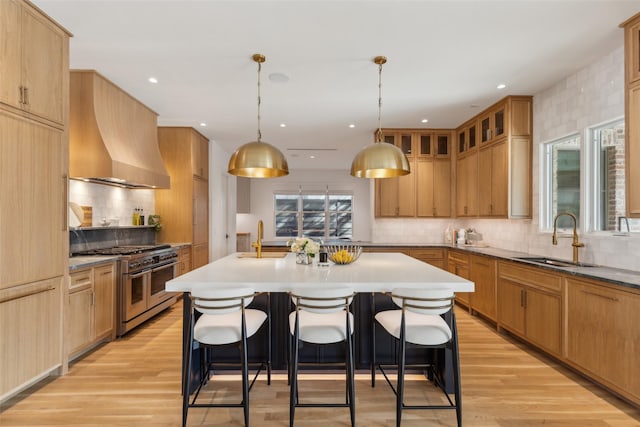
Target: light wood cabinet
[(184, 260), (33, 184), (433, 256), (632, 132), (467, 185), (492, 175), (184, 208), (493, 124), (31, 334), (482, 272), (603, 338), (458, 264), (426, 191), (33, 62), (91, 309), (530, 304)]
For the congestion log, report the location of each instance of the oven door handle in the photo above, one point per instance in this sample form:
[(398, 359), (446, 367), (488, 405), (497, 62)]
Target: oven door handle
[(139, 274), (162, 267)]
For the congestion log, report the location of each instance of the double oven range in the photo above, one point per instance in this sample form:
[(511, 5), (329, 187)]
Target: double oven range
[(143, 272)]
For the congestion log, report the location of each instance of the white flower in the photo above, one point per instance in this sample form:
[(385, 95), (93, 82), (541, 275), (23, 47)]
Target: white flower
[(306, 245)]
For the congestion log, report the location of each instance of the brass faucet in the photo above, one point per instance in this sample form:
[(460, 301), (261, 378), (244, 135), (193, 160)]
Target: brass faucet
[(576, 244), (258, 244)]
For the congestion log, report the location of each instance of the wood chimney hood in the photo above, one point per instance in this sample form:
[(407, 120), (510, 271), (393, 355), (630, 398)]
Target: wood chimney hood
[(113, 138)]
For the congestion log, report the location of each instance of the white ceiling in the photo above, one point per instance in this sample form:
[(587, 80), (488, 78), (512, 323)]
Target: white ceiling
[(445, 59)]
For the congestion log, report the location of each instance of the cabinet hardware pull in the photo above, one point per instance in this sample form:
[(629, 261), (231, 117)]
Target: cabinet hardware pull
[(26, 96), (40, 291), (21, 89), (601, 296), (521, 298), (195, 215), (93, 298)]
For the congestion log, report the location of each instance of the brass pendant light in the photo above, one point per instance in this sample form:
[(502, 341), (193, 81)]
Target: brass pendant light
[(258, 159), (380, 160)]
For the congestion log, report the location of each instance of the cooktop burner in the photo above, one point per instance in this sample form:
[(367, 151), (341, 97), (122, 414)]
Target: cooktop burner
[(123, 250)]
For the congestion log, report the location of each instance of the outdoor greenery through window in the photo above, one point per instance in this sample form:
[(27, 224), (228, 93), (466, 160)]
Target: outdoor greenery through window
[(321, 215)]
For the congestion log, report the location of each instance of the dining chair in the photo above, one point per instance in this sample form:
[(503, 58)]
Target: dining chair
[(321, 317), (419, 323), (225, 320)]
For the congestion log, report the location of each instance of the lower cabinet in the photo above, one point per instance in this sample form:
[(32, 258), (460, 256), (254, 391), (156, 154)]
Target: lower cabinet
[(30, 333), (458, 264), (184, 260), (200, 255), (530, 305), (603, 337), (91, 309), (482, 272), (433, 256)]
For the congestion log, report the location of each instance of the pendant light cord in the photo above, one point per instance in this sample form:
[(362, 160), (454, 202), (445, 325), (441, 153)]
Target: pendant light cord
[(380, 102), (259, 101)]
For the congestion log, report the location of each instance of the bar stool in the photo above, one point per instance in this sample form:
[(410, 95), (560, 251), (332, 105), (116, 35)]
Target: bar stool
[(420, 324), (321, 317), (225, 320)]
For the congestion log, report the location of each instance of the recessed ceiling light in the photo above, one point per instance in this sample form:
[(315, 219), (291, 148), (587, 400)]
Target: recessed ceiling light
[(312, 156), (352, 125), (425, 120), (278, 77), (203, 124), (153, 80), (501, 86), (283, 125)]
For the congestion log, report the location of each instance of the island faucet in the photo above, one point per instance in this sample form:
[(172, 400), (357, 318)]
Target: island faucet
[(258, 243), (626, 220), (576, 244)]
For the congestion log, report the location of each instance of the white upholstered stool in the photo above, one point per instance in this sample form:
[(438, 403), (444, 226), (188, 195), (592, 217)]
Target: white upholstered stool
[(418, 322), (321, 316), (225, 320)]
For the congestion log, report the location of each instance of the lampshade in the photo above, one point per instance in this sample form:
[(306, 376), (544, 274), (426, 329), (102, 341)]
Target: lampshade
[(258, 159), (380, 160)]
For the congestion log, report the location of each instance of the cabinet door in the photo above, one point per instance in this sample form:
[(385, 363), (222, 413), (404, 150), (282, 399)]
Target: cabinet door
[(461, 187), (471, 184), (386, 197), (499, 179), (544, 320), (483, 274), (33, 186), (200, 156), (407, 194), (603, 335), (511, 306), (10, 53), (484, 179), (425, 188), (104, 309), (200, 211), (442, 188), (43, 66), (632, 51), (200, 255), (30, 346), (80, 332), (632, 154)]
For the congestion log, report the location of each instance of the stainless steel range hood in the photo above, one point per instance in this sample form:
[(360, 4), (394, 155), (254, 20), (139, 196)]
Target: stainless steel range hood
[(113, 138)]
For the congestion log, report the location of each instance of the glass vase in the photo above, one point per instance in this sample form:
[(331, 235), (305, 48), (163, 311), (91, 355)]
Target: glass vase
[(303, 258)]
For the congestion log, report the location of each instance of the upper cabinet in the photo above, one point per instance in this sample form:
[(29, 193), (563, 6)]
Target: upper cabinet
[(504, 160), (632, 114), (33, 62), (426, 191)]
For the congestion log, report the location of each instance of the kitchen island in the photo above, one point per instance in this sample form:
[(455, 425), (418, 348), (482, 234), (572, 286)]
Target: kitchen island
[(371, 274)]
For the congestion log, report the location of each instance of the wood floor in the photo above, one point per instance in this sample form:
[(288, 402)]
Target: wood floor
[(135, 381)]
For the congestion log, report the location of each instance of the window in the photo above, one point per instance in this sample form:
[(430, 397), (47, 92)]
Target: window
[(607, 182), (319, 215), (561, 181)]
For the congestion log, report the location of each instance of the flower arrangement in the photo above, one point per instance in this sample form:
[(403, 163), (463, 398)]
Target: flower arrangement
[(305, 245)]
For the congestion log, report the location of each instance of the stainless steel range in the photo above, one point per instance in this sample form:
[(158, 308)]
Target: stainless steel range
[(144, 270)]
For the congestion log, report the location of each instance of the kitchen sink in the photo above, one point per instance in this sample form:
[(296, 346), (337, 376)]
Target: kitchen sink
[(553, 262), (264, 254)]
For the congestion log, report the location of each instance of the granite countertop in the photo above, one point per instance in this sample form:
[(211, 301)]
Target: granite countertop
[(617, 276), (78, 262)]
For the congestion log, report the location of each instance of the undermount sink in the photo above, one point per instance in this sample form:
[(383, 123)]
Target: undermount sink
[(553, 262), (264, 254)]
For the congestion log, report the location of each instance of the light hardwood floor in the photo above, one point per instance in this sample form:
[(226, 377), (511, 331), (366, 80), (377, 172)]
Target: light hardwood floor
[(135, 381)]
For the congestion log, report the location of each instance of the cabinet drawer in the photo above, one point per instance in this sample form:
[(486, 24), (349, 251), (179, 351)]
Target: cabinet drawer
[(459, 257), (79, 280), (430, 253), (184, 251), (530, 277)]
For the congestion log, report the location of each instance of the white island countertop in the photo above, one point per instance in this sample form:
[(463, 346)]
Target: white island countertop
[(372, 272)]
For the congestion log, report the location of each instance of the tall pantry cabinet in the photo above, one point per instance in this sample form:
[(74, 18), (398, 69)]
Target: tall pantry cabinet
[(184, 208), (34, 105), (632, 113)]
